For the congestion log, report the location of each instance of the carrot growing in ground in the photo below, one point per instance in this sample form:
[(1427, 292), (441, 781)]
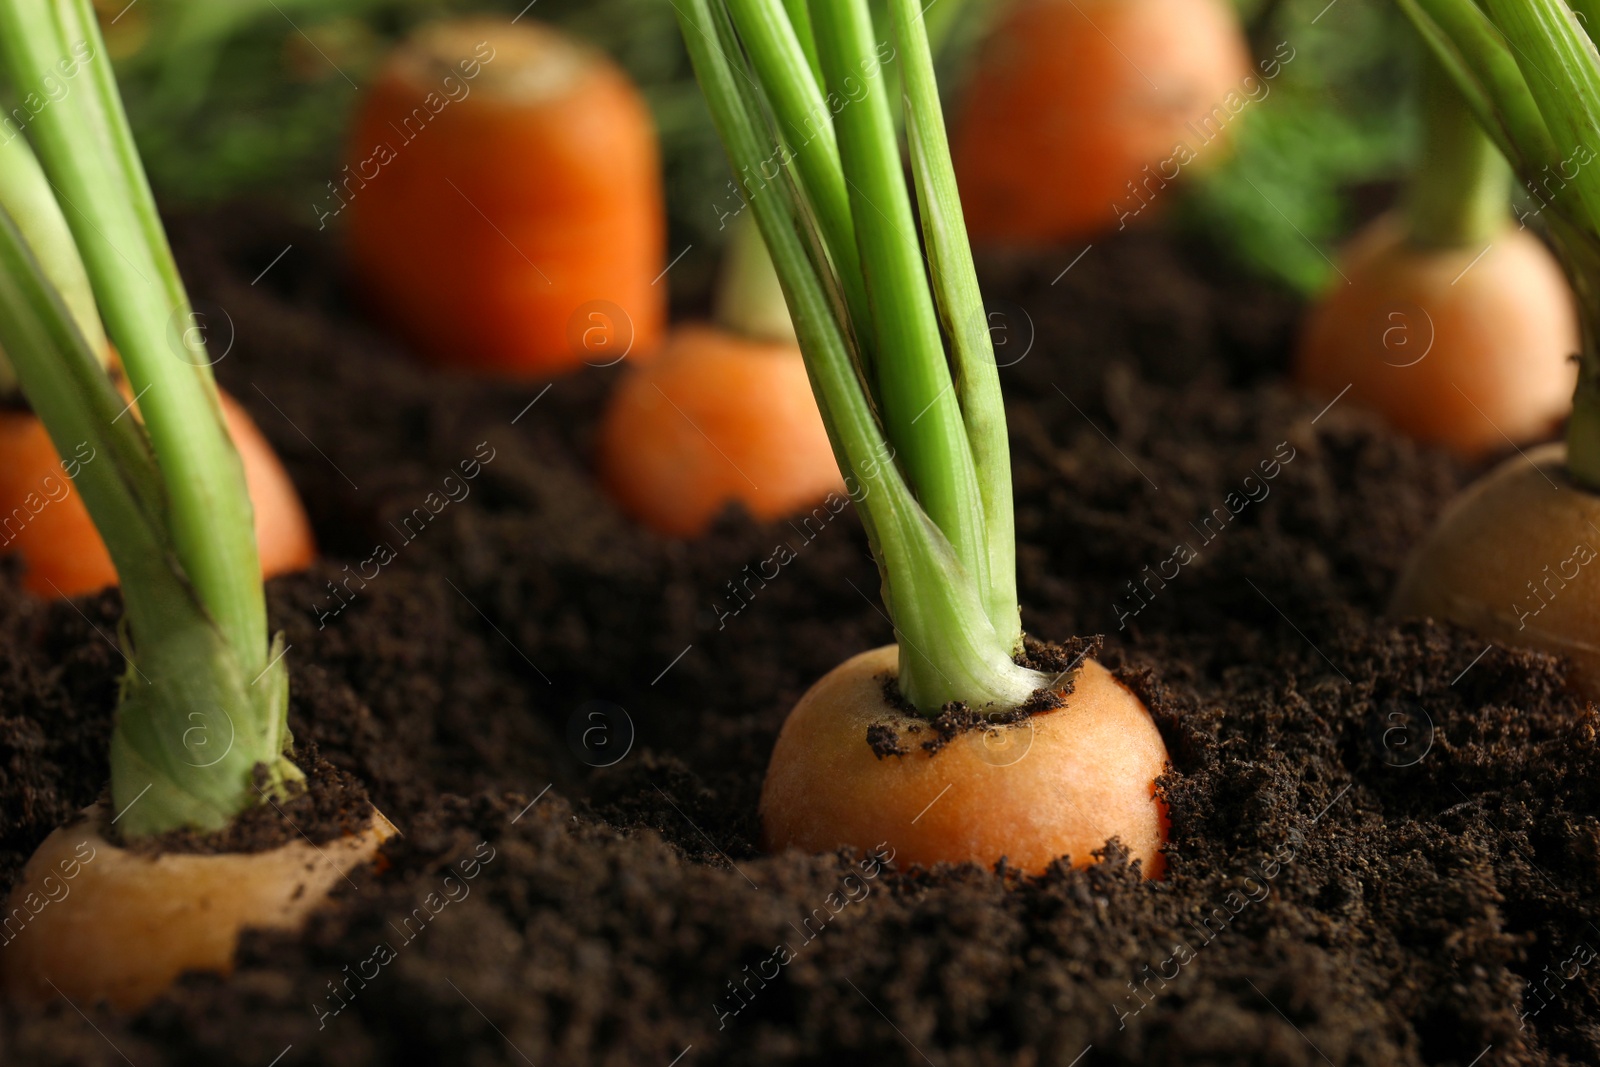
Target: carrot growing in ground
[(1449, 318), (201, 723), (716, 418), (503, 201), (925, 443), (41, 518), (1080, 112), (722, 414), (1513, 557)]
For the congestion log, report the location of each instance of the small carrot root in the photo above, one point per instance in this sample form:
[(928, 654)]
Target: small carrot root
[(714, 419), (1061, 134), (1059, 783), (93, 921)]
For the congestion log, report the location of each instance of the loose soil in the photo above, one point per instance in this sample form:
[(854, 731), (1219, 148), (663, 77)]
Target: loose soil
[(1384, 835)]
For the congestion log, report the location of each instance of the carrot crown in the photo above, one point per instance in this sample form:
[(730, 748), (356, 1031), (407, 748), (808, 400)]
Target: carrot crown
[(203, 705), (798, 94), (1531, 75)]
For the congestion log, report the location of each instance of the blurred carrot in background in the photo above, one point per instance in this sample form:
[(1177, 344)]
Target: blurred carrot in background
[(503, 199), (42, 517), (724, 414), (1450, 318), (1079, 112)]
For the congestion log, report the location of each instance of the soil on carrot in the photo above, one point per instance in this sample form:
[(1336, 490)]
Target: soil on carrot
[(1384, 840), (330, 803)]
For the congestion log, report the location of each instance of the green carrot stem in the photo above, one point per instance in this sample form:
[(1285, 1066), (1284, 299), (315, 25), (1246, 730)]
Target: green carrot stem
[(87, 150), (1562, 71), (915, 390), (204, 702), (805, 117), (1476, 56), (749, 299), (1459, 194), (1531, 73), (955, 283), (800, 18), (193, 722), (25, 192), (1579, 249), (948, 648)]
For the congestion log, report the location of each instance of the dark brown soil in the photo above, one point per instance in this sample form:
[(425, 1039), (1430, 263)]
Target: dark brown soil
[(329, 804), (1384, 841)]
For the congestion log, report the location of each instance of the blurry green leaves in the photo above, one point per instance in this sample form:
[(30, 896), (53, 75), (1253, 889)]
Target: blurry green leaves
[(1337, 118), (246, 95)]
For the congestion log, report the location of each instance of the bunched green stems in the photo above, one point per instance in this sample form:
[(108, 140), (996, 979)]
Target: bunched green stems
[(201, 726), (917, 429), (1531, 74)]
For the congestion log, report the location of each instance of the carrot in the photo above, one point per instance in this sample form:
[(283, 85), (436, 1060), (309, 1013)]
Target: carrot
[(1051, 786), (921, 437), (44, 521), (723, 415), (1448, 318), (504, 201), (1081, 112), (200, 730), (80, 886), (1513, 557), (715, 418)]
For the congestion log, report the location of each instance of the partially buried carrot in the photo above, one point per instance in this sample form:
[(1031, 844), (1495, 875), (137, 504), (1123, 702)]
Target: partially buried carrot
[(1048, 774), (1081, 112), (199, 733), (1447, 317), (997, 790), (724, 414), (80, 883), (1514, 557), (503, 201)]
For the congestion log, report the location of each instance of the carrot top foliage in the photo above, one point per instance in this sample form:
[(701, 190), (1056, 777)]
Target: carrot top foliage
[(885, 302)]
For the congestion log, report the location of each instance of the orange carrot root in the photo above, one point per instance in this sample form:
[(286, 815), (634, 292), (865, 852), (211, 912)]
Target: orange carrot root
[(93, 921), (504, 201), (1516, 558), (716, 418), (1072, 100), (43, 518), (1454, 346), (1060, 783)]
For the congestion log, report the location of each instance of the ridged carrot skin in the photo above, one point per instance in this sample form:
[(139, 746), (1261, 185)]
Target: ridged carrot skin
[(1080, 112), (503, 198), (1466, 347), (42, 517), (716, 418)]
